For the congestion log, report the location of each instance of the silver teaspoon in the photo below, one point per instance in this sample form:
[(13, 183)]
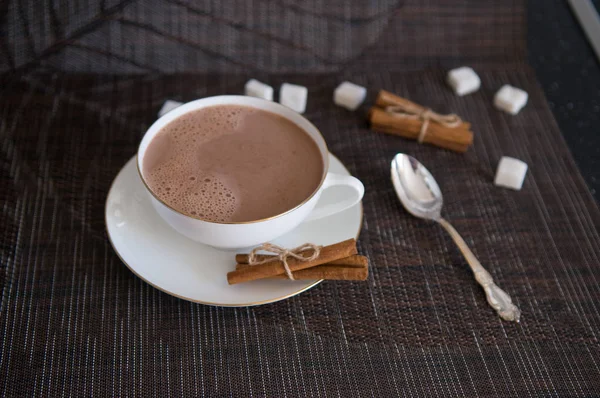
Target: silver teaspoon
[(421, 196)]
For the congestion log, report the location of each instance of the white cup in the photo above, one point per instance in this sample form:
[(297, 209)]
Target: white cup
[(233, 235)]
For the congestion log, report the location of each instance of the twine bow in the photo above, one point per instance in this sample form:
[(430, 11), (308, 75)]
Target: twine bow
[(282, 254), (412, 111)]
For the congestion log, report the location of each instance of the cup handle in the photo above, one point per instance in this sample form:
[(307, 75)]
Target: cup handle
[(333, 180)]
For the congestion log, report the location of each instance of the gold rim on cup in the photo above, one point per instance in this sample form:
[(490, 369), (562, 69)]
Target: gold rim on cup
[(325, 168)]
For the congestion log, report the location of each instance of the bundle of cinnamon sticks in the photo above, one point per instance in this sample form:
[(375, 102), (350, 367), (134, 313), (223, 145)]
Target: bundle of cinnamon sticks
[(339, 261), (383, 118)]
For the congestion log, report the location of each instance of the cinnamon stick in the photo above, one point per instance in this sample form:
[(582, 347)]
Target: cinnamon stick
[(330, 272), (355, 260), (261, 271), (457, 139), (454, 138), (353, 268), (385, 99)]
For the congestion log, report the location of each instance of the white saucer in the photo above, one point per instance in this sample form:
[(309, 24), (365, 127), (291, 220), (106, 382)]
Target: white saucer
[(189, 270)]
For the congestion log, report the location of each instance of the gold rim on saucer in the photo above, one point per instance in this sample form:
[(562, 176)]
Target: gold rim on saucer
[(305, 288)]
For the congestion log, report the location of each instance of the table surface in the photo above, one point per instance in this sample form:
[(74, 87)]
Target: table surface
[(569, 73), (89, 81)]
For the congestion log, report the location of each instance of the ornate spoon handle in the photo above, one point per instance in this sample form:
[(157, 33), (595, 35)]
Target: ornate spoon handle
[(497, 298)]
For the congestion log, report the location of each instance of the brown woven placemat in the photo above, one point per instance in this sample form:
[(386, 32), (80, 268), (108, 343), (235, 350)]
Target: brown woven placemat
[(75, 321)]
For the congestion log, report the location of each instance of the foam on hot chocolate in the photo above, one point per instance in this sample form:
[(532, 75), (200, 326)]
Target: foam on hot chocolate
[(232, 164)]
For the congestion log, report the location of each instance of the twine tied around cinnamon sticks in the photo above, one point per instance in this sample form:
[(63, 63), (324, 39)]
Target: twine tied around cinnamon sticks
[(409, 111), (339, 261), (395, 115), (282, 255)]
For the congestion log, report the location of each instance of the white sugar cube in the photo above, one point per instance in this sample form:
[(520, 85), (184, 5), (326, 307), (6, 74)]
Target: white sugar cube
[(168, 106), (510, 173), (510, 99), (463, 80), (254, 88), (349, 95), (293, 96)]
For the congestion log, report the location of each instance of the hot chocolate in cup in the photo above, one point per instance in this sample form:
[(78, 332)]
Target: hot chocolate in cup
[(250, 209)]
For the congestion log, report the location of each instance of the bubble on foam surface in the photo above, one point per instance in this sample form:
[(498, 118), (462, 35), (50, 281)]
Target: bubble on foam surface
[(211, 200), (198, 195)]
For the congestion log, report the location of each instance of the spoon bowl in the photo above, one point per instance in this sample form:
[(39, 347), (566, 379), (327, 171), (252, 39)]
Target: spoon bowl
[(417, 189)]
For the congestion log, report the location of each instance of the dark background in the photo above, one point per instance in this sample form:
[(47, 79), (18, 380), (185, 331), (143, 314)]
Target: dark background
[(557, 48), (569, 73)]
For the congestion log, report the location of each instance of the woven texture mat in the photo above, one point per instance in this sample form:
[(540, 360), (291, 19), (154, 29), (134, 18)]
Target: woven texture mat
[(146, 36), (75, 321)]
